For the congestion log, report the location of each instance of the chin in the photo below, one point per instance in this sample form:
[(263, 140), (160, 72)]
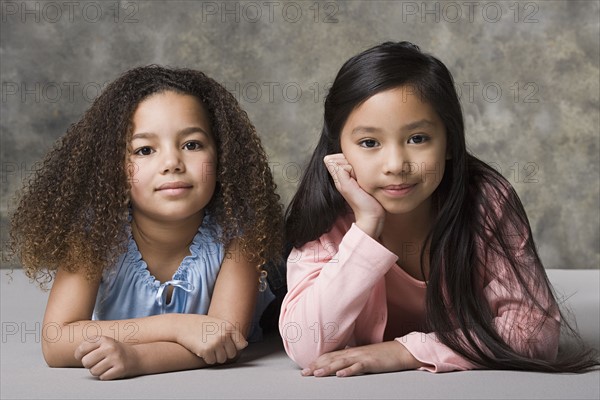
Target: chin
[(398, 210)]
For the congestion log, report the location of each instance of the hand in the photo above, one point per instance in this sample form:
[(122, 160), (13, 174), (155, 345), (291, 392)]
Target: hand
[(374, 358), (108, 359), (213, 339), (369, 214)]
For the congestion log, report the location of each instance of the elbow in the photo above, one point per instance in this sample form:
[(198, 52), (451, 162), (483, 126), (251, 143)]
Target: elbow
[(50, 354), (299, 351), (543, 345), (547, 341), (546, 347), (302, 359), (54, 356), (291, 333), (299, 341), (51, 358)]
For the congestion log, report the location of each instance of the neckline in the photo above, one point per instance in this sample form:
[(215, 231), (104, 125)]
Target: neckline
[(397, 269), (142, 266)]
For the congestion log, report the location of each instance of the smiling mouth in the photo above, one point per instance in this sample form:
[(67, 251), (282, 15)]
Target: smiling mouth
[(404, 186), (398, 190), (174, 186)]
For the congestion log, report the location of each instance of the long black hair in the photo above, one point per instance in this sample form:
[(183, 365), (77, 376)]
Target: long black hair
[(479, 217)]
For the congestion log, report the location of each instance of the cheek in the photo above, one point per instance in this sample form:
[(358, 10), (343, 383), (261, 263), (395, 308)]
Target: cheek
[(364, 182), (363, 173), (132, 170), (137, 180), (433, 170), (205, 169), (134, 194)]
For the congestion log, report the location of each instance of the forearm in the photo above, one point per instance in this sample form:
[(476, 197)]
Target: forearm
[(60, 340), (159, 357), (324, 300)]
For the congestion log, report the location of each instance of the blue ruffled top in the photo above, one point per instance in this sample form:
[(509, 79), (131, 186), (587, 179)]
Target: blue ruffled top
[(129, 290)]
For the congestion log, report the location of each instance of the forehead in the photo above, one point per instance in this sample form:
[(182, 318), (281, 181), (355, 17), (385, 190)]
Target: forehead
[(167, 101), (170, 110), (402, 105)]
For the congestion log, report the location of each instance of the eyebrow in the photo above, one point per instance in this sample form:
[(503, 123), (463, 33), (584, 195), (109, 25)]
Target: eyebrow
[(184, 132), (422, 123)]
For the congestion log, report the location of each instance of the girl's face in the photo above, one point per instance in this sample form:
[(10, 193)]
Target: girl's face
[(396, 144), (173, 159)]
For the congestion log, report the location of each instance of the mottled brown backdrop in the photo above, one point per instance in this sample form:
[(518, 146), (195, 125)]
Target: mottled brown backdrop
[(527, 73)]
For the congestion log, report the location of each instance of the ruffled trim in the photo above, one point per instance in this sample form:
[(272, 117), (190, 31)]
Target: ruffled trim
[(206, 237)]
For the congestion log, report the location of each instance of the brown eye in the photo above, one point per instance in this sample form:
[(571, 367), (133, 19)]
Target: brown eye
[(418, 139), (368, 143), (193, 146), (144, 151)]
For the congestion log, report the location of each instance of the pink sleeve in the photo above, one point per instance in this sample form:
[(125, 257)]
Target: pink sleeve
[(522, 325), (532, 330), (329, 282)]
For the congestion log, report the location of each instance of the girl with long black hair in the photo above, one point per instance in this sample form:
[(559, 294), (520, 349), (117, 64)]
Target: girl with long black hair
[(409, 252)]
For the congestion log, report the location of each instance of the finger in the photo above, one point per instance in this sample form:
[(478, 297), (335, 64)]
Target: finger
[(351, 172), (209, 357), (337, 157), (331, 369), (326, 359), (331, 166), (93, 358), (230, 349), (353, 370), (220, 355), (348, 168), (113, 372), (343, 180), (233, 335), (339, 173), (323, 361), (110, 374), (86, 347), (100, 367), (239, 341)]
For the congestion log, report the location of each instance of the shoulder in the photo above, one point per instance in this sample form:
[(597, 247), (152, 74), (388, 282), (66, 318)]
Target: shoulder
[(490, 193), (499, 215), (502, 230), (207, 242), (127, 267)]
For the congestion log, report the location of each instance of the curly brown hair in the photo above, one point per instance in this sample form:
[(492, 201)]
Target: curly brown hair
[(73, 213)]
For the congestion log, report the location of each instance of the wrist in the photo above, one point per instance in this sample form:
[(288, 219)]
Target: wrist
[(135, 361), (372, 226), (409, 362)]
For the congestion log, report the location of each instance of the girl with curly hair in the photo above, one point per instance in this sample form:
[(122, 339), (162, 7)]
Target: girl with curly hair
[(409, 252), (152, 215)]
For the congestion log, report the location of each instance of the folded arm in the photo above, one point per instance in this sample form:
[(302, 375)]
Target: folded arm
[(328, 288), (158, 343)]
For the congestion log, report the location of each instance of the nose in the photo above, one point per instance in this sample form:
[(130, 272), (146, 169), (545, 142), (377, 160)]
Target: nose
[(172, 161), (396, 161)]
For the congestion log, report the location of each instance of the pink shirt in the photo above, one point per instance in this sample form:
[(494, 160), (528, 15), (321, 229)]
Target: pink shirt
[(340, 294)]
